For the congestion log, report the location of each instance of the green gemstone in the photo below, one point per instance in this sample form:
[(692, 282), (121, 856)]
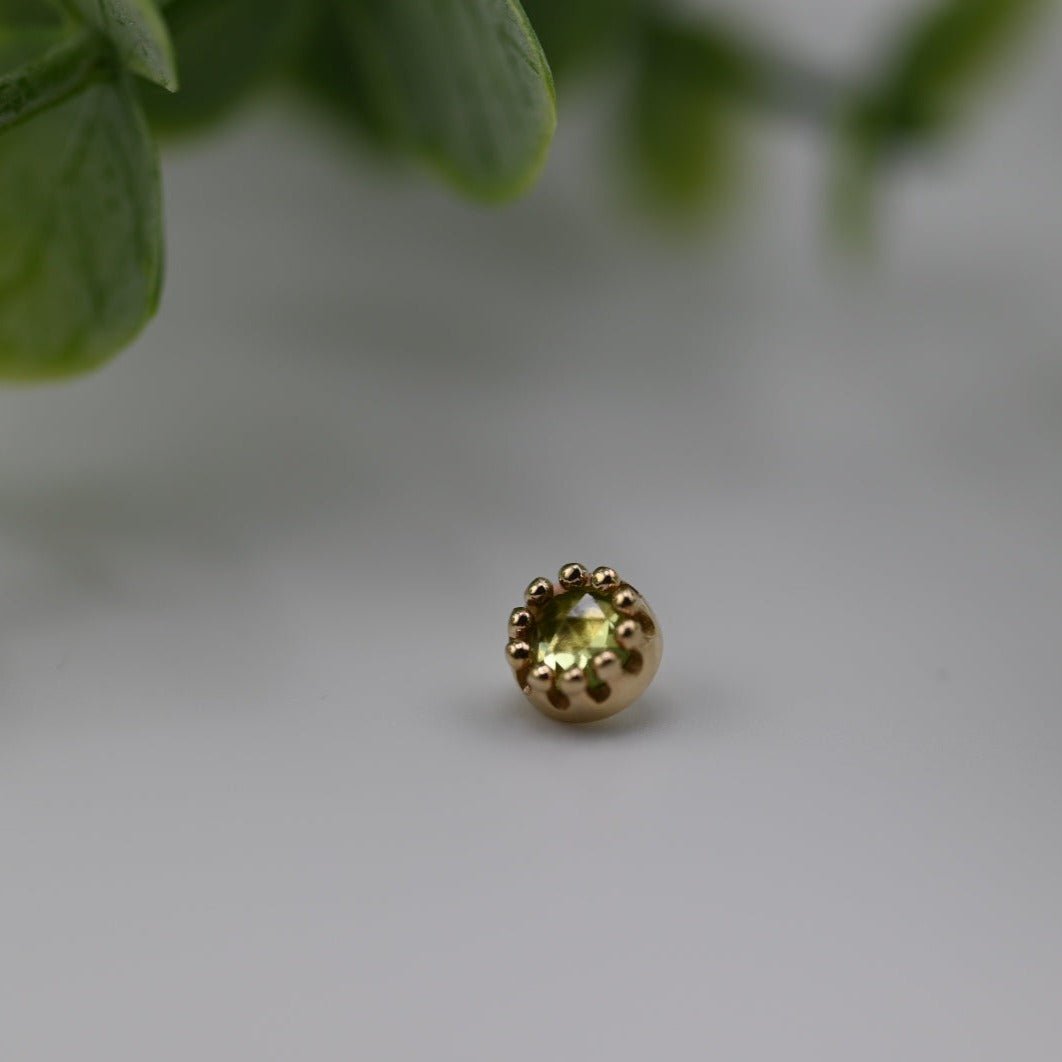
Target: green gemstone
[(573, 628)]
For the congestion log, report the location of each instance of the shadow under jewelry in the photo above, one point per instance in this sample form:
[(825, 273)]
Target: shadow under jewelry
[(513, 714)]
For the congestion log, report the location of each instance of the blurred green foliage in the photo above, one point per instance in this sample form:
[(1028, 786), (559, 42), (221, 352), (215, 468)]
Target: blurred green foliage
[(681, 128), (580, 34), (461, 85), (925, 84), (226, 49)]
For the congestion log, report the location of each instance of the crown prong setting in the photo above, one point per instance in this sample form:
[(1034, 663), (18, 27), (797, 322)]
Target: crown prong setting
[(541, 678), (630, 633), (521, 623), (585, 647), (626, 600), (518, 654), (604, 579), (573, 576), (608, 666), (538, 593)]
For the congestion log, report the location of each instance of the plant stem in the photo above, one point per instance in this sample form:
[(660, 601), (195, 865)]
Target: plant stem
[(57, 75)]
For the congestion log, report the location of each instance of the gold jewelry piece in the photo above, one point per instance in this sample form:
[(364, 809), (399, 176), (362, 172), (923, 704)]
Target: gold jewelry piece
[(585, 647)]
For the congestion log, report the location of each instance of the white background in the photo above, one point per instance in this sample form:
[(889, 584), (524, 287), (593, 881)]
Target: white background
[(266, 788)]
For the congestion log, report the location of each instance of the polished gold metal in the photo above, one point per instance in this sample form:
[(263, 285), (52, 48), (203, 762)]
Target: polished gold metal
[(519, 654), (596, 686), (538, 592), (521, 621), (573, 575), (604, 579)]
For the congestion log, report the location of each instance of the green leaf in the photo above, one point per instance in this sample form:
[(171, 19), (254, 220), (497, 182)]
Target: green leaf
[(577, 33), (680, 123), (80, 233), (27, 28), (139, 34), (463, 84), (680, 138), (331, 76), (943, 56), (225, 49), (47, 69)]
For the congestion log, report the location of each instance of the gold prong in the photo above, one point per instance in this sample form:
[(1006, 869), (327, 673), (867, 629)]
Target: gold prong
[(607, 666), (520, 623), (626, 600), (572, 682), (538, 592), (604, 579), (540, 678), (572, 576), (629, 634), (518, 654)]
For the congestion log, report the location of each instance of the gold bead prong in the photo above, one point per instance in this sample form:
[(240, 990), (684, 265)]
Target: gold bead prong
[(604, 579), (629, 634), (518, 654), (572, 682), (520, 623), (540, 678), (607, 666), (626, 600), (538, 592), (573, 576)]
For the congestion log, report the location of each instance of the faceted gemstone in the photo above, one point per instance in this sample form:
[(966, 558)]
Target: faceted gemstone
[(573, 628)]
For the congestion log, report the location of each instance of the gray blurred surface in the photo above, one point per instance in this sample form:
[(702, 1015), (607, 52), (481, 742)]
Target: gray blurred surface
[(266, 790)]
